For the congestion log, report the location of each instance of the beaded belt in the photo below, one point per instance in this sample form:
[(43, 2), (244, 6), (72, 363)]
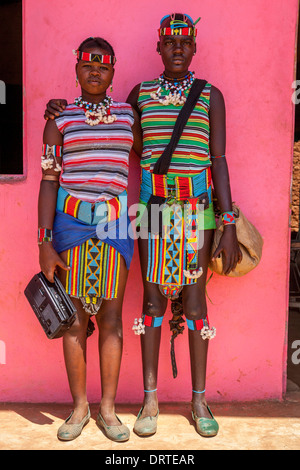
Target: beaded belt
[(180, 187), (92, 214)]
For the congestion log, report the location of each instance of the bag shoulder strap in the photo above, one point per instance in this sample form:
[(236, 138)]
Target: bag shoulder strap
[(162, 165)]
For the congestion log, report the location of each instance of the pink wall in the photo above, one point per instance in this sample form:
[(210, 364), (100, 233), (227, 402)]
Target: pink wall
[(247, 50)]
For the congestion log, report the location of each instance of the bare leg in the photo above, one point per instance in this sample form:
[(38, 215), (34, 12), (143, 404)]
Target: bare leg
[(154, 304), (195, 308), (109, 320), (74, 347)]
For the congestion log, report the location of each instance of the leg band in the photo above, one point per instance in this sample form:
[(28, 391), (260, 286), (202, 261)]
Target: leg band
[(206, 331), (197, 324), (152, 321), (146, 320)]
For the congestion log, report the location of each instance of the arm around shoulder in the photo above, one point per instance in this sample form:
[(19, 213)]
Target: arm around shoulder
[(137, 134), (133, 98), (54, 107)]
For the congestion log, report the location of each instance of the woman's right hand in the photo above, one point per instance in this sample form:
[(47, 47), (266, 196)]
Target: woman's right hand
[(49, 259), (54, 107)]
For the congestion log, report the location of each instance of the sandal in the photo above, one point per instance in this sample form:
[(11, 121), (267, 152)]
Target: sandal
[(69, 432), (117, 433), (206, 427), (145, 426)]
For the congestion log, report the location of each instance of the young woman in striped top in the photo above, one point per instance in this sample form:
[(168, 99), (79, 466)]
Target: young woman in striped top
[(174, 266), (82, 213)]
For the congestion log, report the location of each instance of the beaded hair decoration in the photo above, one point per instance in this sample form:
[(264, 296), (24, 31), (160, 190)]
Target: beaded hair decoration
[(178, 27), (102, 59)]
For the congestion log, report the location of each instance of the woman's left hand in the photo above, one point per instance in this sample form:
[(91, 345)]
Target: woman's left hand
[(229, 249)]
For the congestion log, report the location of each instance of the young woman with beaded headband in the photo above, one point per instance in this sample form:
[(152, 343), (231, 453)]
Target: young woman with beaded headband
[(198, 158), (83, 191)]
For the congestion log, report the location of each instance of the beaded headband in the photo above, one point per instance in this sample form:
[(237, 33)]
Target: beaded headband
[(88, 57), (177, 32), (178, 27)]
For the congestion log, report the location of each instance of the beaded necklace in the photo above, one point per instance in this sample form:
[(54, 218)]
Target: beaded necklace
[(176, 88), (96, 113)]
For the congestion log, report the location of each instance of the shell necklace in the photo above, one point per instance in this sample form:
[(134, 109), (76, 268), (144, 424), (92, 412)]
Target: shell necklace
[(176, 88), (96, 113)]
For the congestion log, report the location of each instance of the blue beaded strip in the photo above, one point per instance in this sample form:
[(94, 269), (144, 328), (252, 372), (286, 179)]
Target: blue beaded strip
[(155, 322)]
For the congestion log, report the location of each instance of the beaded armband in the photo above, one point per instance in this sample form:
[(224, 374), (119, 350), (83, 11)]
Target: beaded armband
[(217, 156), (44, 235), (228, 218), (49, 155)]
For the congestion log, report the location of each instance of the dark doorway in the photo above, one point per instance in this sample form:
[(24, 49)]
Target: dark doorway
[(11, 78)]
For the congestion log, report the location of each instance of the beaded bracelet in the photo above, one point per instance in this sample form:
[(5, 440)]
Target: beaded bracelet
[(228, 218), (44, 235)]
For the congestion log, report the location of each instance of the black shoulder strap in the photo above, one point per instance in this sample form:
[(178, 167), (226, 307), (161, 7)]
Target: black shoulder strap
[(162, 165)]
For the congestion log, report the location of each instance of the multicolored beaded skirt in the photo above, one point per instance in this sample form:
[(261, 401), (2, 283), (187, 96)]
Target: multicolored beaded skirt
[(173, 253), (94, 270)]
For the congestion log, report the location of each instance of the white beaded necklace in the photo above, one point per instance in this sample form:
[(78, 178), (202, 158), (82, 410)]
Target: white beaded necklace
[(175, 87), (96, 113)]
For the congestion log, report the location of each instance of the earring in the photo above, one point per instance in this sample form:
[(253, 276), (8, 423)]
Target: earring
[(76, 82), (111, 87)]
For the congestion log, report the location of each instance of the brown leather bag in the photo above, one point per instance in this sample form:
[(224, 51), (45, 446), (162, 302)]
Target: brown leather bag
[(250, 242)]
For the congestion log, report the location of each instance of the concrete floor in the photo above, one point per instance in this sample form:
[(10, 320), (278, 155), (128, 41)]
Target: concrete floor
[(268, 425)]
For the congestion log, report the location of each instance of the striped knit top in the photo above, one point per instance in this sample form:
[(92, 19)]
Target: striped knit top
[(157, 120), (95, 158)]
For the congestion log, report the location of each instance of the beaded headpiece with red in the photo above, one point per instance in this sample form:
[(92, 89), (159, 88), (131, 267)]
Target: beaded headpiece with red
[(178, 27), (88, 57)]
